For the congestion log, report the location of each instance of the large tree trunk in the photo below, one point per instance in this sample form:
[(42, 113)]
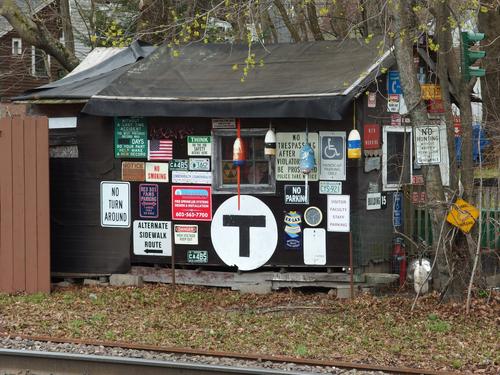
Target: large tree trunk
[(36, 34), (405, 27)]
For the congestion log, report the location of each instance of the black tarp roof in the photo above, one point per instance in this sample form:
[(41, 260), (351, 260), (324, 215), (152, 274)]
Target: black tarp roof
[(84, 84), (303, 80)]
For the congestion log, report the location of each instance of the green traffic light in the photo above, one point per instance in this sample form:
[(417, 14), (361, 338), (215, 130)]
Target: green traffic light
[(470, 56)]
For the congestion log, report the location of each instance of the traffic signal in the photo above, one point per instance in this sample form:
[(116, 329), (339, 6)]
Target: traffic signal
[(470, 56)]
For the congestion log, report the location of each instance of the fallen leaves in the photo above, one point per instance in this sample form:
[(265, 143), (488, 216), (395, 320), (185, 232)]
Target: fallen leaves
[(379, 330)]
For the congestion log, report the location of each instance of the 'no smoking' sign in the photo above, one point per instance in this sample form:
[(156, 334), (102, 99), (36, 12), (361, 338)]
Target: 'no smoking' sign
[(245, 238)]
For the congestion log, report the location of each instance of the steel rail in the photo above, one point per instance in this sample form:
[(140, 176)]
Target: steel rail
[(219, 354), (69, 363)]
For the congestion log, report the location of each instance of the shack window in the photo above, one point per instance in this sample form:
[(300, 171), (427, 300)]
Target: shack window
[(257, 174), (40, 63), (397, 157), (17, 46)]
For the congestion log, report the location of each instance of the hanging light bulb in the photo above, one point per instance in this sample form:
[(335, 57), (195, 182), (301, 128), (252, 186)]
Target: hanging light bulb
[(307, 161), (354, 145), (270, 142)]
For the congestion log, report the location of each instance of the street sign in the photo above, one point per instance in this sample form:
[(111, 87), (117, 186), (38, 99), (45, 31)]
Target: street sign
[(244, 236), (152, 238), (333, 156), (192, 203), (428, 144), (185, 234), (131, 138), (296, 194), (148, 201), (393, 83), (199, 145), (397, 209), (115, 204)]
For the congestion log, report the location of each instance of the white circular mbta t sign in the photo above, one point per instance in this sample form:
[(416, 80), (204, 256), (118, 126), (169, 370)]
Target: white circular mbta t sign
[(245, 238)]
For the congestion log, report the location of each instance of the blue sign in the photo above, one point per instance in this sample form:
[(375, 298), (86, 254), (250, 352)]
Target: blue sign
[(397, 209), (148, 201), (393, 82)]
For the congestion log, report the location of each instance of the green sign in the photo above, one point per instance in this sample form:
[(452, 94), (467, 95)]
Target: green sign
[(199, 145), (131, 137), (179, 165), (197, 256)]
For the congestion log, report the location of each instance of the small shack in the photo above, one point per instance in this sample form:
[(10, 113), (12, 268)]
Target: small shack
[(153, 174)]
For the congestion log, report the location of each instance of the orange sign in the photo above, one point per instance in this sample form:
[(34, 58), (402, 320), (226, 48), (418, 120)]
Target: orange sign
[(430, 91), (133, 171), (463, 215)]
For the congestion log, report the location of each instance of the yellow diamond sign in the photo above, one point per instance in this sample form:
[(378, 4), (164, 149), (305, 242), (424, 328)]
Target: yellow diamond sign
[(463, 215)]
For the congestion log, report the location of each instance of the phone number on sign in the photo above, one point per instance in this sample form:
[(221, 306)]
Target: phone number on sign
[(200, 215)]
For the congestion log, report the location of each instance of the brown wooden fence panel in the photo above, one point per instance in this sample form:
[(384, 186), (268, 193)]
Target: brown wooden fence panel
[(24, 205)]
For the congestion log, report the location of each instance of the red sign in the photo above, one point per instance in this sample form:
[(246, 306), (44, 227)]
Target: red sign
[(371, 136), (457, 126), (417, 179), (435, 106), (192, 203)]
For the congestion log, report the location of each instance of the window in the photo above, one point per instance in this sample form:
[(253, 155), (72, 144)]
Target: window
[(17, 46), (257, 174), (40, 63), (396, 157)]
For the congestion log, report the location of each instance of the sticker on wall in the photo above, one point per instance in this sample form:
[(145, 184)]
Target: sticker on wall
[(288, 146), (371, 137), (179, 164), (191, 177), (199, 164), (315, 246), (293, 231), (397, 209), (373, 201), (197, 256), (192, 203), (160, 149), (115, 204), (152, 238), (245, 237), (333, 155), (131, 138), (338, 213), (148, 201), (156, 172), (185, 234), (296, 194), (133, 171), (199, 145)]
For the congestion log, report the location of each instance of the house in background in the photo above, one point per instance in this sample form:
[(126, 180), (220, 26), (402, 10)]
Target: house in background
[(23, 66)]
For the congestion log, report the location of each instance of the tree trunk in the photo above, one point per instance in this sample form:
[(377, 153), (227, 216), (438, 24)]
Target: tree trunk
[(312, 18), (286, 20), (404, 25), (69, 39)]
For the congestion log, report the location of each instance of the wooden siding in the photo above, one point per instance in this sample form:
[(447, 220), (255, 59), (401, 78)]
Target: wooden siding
[(24, 205)]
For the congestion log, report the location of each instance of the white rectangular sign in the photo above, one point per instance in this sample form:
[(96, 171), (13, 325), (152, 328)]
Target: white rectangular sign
[(427, 144), (185, 234), (373, 201), (338, 213), (157, 172), (153, 238), (185, 177), (332, 156), (314, 246), (115, 204), (288, 147)]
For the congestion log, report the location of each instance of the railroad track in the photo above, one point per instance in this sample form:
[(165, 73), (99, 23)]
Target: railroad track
[(67, 363)]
